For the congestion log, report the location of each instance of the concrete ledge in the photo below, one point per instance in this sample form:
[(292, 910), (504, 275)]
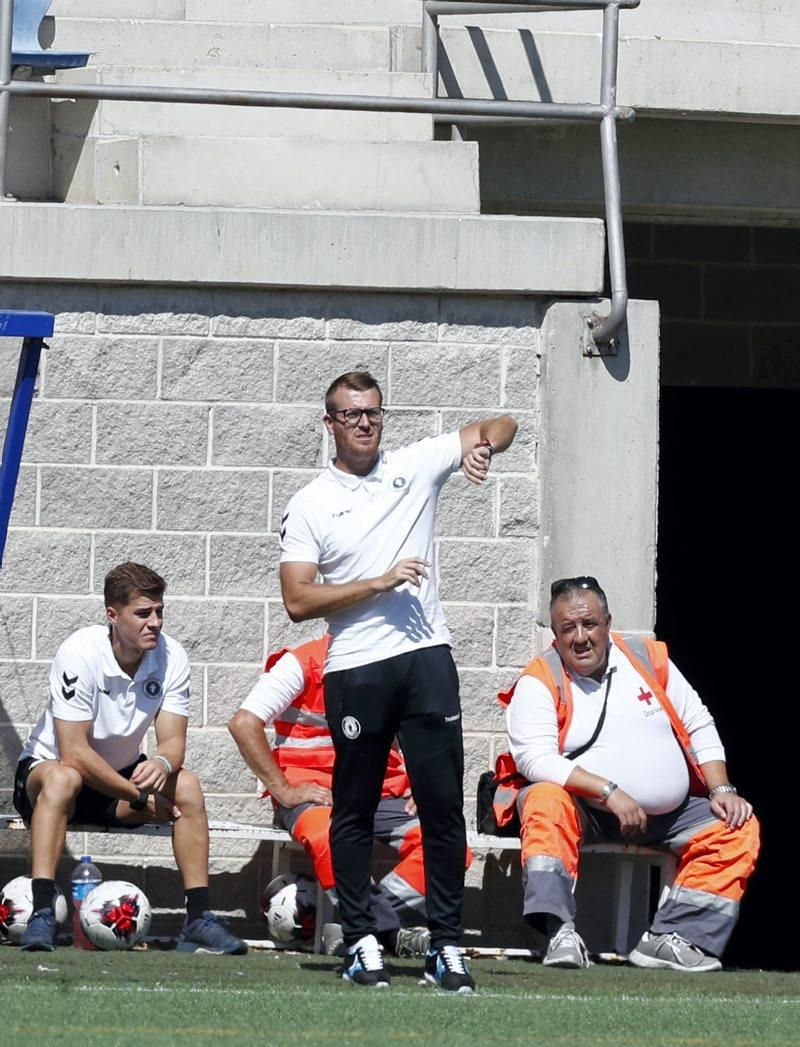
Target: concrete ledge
[(701, 77), (467, 253), (764, 21), (127, 41), (268, 173), (84, 117)]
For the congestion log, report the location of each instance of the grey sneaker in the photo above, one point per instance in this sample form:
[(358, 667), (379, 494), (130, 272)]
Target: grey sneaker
[(671, 952), (412, 943), (333, 940), (566, 949)]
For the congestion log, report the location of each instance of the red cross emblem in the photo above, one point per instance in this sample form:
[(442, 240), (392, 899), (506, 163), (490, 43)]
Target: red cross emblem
[(644, 696)]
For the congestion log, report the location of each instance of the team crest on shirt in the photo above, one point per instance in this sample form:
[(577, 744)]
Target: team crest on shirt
[(152, 688), (351, 728), (399, 483)]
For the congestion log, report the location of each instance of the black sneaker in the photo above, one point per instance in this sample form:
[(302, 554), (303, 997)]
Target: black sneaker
[(208, 934), (445, 968), (363, 964), (40, 934)]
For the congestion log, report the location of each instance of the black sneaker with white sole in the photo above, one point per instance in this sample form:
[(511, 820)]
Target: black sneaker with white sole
[(363, 964), (445, 968)]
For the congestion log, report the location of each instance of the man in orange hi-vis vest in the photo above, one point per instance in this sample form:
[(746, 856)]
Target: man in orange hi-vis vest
[(611, 744), (298, 773)]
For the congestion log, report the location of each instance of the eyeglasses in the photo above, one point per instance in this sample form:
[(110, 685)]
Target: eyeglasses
[(564, 585), (351, 416)]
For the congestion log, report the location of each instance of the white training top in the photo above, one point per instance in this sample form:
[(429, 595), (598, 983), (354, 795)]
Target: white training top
[(636, 748), (87, 683), (358, 527), (275, 690)]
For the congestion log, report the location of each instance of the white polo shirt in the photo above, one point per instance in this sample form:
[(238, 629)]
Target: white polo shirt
[(87, 683), (358, 527)]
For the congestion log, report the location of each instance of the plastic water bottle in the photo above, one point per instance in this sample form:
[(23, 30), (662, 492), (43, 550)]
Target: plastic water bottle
[(85, 877)]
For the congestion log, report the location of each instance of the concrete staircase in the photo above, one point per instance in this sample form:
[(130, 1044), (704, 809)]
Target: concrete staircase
[(129, 153), (133, 153), (322, 199)]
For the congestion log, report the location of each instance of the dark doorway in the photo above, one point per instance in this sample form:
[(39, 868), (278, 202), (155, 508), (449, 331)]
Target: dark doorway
[(726, 605)]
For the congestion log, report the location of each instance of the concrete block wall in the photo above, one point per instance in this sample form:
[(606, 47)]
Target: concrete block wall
[(727, 297), (172, 425)]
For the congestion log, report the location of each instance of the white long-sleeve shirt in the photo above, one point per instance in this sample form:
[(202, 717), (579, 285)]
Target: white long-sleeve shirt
[(275, 690), (636, 748)]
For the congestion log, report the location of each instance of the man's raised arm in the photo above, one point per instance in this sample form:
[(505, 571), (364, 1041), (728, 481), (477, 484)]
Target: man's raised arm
[(481, 440)]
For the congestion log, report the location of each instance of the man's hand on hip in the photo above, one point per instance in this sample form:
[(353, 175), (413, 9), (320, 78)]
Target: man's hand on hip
[(306, 792), (630, 815), (732, 809)]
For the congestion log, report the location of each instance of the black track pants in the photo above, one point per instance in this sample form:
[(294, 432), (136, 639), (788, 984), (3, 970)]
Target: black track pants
[(413, 696)]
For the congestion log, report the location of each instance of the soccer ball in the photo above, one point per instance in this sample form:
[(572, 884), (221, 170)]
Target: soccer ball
[(16, 906), (289, 905), (115, 915)]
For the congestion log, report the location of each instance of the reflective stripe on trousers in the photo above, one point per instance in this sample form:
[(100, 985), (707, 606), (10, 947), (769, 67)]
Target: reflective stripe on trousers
[(551, 834), (399, 898), (715, 861), (703, 903)]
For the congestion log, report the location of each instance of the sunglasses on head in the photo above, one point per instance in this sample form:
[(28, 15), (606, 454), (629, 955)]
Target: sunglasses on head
[(582, 581)]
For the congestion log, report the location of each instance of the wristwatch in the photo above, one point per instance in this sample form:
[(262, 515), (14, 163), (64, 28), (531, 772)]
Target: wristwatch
[(608, 789), (140, 802), (726, 788)]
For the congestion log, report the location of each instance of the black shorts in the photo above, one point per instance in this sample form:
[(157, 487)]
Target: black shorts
[(91, 806)]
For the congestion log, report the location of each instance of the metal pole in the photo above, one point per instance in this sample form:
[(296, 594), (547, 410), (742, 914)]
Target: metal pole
[(430, 46), (6, 33), (603, 330), (18, 415), (276, 99), (487, 7), (624, 113)]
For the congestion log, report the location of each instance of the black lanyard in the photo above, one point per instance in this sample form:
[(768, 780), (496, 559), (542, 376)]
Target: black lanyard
[(582, 749)]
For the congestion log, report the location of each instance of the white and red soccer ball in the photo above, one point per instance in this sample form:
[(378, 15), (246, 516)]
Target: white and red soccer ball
[(16, 906), (289, 905), (115, 915)]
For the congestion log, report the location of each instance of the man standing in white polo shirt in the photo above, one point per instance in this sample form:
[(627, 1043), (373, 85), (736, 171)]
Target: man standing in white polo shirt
[(82, 763), (366, 525)]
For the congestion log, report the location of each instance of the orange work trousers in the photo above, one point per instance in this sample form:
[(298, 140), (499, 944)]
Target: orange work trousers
[(715, 862)]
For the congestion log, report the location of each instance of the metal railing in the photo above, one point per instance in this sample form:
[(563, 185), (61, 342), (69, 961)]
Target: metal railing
[(599, 330)]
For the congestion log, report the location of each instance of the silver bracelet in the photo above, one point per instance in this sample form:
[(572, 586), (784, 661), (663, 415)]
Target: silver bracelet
[(163, 760), (728, 788), (608, 789)]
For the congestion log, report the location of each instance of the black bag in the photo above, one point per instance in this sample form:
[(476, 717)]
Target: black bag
[(488, 784), (485, 820)]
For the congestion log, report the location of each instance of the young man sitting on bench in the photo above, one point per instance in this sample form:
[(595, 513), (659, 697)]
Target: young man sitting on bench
[(82, 763)]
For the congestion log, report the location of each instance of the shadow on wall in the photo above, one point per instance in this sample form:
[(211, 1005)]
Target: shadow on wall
[(494, 79)]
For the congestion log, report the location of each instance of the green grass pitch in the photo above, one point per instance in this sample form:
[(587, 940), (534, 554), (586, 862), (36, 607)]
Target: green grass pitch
[(137, 998)]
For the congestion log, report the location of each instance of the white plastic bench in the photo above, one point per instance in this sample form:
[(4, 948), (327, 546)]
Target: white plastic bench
[(625, 856)]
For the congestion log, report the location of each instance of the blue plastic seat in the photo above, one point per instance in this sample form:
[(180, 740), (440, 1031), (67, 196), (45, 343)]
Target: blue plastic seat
[(32, 328), (25, 46)]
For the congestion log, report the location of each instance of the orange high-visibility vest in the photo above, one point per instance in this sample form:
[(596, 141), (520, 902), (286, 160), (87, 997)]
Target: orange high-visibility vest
[(648, 657), (303, 744)]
